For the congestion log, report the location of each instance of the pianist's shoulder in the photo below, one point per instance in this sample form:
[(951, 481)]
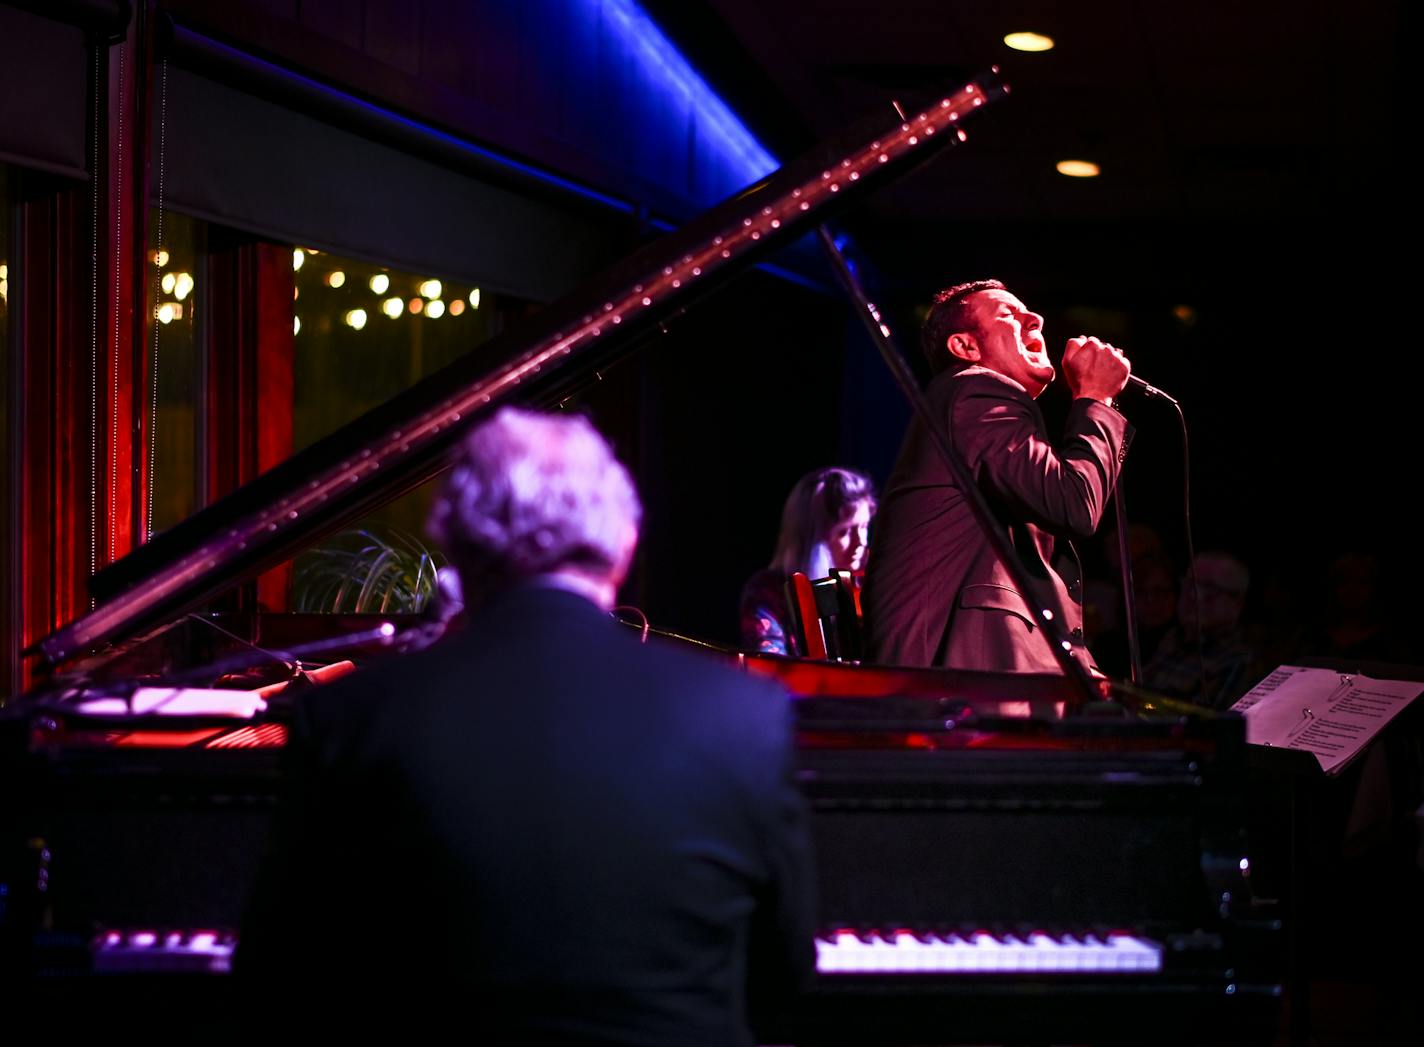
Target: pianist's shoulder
[(560, 650)]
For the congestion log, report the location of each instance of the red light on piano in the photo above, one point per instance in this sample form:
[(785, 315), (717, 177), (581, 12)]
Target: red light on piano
[(164, 739), (264, 736)]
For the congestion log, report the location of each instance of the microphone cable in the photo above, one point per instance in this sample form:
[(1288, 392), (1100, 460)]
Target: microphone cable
[(1153, 393)]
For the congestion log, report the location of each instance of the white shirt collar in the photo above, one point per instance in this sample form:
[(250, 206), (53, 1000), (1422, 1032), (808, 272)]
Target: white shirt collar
[(980, 369)]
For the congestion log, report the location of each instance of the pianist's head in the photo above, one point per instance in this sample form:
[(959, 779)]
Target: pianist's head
[(537, 496)]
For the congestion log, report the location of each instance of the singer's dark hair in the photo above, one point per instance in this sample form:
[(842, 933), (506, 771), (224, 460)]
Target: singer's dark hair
[(949, 315)]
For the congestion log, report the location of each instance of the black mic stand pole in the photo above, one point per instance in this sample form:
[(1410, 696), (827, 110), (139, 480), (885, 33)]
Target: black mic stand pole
[(1129, 595), (67, 690)]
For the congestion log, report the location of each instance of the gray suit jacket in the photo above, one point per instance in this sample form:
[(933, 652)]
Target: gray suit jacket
[(935, 593)]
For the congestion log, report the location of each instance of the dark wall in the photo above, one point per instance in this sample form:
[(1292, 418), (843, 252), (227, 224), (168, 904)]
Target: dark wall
[(719, 418)]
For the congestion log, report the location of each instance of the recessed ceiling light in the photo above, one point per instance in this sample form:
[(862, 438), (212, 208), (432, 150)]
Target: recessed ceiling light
[(1078, 168), (1029, 42)]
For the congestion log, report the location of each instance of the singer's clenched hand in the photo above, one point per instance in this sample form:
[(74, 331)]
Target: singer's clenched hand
[(1094, 368)]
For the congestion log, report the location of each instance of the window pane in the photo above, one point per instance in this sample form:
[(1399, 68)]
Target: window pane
[(9, 576), (5, 263), (177, 294), (363, 334)]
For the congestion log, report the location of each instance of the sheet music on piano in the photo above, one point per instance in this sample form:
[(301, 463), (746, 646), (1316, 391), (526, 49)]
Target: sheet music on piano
[(1330, 714)]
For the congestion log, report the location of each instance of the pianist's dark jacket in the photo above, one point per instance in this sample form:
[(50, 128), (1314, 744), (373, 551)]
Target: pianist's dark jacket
[(545, 827)]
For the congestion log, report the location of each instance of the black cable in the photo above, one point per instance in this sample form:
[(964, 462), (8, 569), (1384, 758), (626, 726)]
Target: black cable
[(1152, 392), (1191, 548)]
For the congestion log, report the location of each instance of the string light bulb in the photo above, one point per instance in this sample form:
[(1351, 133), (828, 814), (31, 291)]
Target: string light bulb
[(1025, 41)]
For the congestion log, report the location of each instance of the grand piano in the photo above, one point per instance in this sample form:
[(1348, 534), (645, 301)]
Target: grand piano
[(1001, 857)]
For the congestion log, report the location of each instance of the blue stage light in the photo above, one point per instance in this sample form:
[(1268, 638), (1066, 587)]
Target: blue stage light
[(743, 156)]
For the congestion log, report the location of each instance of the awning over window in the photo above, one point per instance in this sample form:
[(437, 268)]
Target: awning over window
[(238, 159), (44, 76)]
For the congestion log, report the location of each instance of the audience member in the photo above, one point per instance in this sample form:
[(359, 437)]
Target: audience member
[(1204, 657), (1154, 579)]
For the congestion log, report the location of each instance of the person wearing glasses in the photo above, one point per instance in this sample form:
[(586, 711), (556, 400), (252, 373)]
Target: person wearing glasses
[(1231, 665)]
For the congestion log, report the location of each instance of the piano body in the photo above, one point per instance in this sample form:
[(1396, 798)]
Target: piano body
[(990, 869), (990, 872), (998, 860)]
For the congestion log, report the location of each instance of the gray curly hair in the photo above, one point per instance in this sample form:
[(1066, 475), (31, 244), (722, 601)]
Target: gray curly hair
[(531, 494)]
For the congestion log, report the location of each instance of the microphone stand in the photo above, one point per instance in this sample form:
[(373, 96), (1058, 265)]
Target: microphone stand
[(1129, 595), (384, 634)]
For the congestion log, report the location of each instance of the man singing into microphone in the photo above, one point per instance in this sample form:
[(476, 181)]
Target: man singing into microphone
[(935, 592)]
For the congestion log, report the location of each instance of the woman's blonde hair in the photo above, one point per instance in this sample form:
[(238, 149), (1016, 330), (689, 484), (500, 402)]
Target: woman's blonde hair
[(819, 502)]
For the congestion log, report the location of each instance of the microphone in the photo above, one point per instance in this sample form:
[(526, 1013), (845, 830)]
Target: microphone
[(1148, 389)]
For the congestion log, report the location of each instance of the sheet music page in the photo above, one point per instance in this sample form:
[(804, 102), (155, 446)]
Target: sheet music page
[(1330, 714)]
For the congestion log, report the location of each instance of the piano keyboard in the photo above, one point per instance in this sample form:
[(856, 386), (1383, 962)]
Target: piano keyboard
[(840, 952), (189, 952), (904, 952)]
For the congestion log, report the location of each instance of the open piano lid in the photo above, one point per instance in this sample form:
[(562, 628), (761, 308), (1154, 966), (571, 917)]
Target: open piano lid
[(407, 440)]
